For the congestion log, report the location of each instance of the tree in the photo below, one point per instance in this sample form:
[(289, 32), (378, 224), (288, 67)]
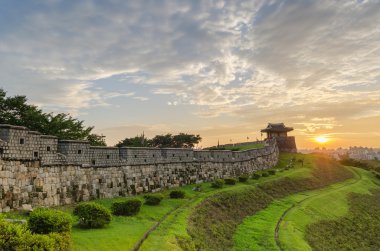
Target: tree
[(184, 140), (137, 141), (96, 140), (181, 140), (16, 111), (163, 141)]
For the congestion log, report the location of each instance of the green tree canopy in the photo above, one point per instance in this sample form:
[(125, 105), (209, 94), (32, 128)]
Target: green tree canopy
[(186, 140), (16, 111), (138, 141), (163, 141), (181, 140)]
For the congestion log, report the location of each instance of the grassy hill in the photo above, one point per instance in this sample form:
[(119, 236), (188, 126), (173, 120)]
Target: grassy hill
[(238, 147), (302, 192), (294, 213)]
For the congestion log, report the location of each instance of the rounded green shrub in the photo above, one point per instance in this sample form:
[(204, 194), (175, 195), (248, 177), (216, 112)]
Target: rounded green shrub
[(230, 181), (92, 215), (44, 221), (153, 199), (272, 172), (18, 237), (52, 241), (265, 174), (218, 183), (177, 194), (256, 176), (128, 208), (243, 178)]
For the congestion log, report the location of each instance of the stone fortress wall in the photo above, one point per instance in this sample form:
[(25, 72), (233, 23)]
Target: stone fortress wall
[(40, 170)]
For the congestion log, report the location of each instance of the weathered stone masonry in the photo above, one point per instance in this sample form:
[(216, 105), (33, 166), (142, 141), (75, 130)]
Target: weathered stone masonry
[(39, 170)]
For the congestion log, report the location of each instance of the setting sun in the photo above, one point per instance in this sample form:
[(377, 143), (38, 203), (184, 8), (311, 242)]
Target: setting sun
[(321, 139)]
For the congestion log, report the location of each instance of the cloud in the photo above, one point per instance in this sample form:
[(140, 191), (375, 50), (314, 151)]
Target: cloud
[(251, 60)]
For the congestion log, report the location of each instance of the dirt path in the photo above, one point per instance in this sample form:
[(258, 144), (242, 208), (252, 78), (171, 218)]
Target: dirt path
[(357, 178)]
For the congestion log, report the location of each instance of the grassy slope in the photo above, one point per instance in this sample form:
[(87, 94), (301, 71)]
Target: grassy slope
[(257, 232), (124, 232), (244, 147), (214, 221), (358, 230), (172, 233), (329, 204)]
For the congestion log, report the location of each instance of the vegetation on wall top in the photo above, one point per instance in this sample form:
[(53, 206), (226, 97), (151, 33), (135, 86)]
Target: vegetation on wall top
[(16, 111), (181, 140)]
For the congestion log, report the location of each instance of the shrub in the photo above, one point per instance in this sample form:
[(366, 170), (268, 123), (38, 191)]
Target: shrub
[(18, 237), (243, 178), (52, 241), (177, 194), (230, 181), (218, 183), (153, 199), (256, 176), (378, 175), (128, 208), (272, 172), (44, 221), (265, 174), (92, 215)]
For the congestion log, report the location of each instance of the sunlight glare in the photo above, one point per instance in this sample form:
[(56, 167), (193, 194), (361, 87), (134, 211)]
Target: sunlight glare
[(321, 139)]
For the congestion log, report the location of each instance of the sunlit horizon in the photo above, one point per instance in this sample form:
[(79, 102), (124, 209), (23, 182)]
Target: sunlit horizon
[(221, 69)]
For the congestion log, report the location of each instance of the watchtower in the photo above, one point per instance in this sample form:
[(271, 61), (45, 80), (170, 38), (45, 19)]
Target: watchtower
[(279, 132)]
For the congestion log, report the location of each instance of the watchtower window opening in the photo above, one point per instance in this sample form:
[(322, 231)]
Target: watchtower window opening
[(173, 154), (93, 162), (135, 156), (35, 154), (48, 149), (108, 156), (79, 151), (1, 151), (187, 155), (22, 141), (154, 155)]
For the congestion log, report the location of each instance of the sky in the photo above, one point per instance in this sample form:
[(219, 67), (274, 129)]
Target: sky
[(221, 69)]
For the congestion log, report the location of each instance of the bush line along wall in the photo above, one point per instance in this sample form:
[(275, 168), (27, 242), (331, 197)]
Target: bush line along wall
[(39, 170)]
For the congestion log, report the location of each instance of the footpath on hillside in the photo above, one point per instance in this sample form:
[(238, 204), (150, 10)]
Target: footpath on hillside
[(281, 226)]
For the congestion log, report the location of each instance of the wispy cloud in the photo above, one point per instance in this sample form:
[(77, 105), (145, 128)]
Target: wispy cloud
[(248, 59)]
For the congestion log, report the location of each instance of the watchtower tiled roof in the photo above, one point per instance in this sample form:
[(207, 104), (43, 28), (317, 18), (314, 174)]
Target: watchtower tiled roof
[(277, 127)]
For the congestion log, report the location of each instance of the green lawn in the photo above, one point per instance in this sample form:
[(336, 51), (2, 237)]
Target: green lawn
[(257, 231), (329, 204), (244, 147), (124, 232)]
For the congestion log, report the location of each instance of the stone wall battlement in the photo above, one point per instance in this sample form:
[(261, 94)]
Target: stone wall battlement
[(41, 171), (18, 143)]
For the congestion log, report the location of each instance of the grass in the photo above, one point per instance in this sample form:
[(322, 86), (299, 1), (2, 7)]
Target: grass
[(359, 230), (172, 234), (257, 231), (244, 147), (124, 232), (213, 222), (238, 147), (329, 204)]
